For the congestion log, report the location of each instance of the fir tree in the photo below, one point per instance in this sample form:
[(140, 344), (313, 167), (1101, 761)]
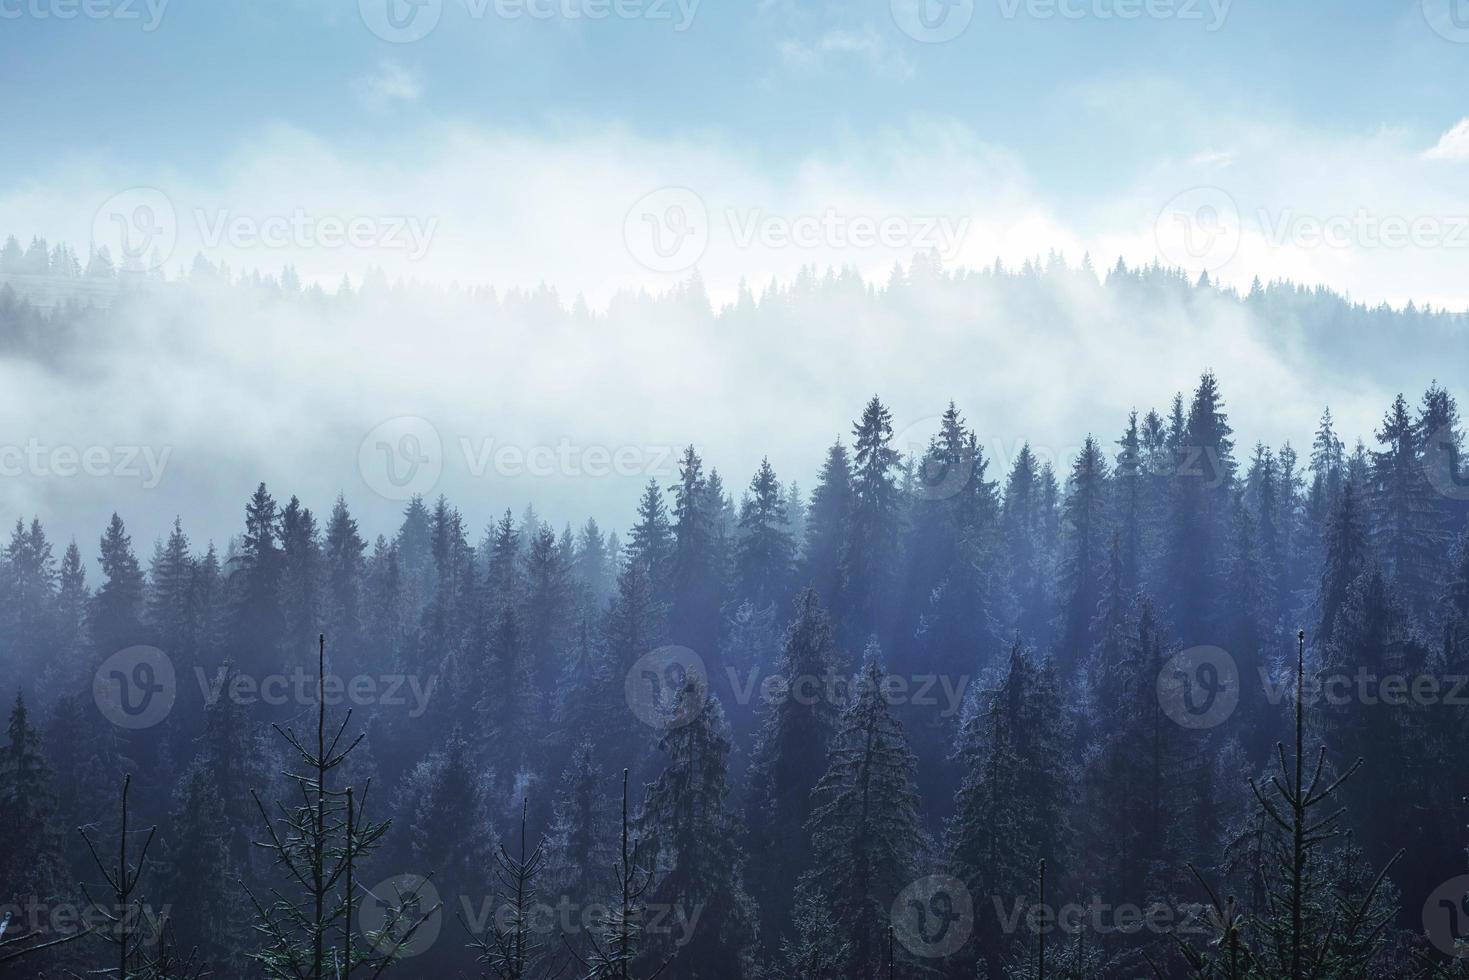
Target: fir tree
[(864, 827), (765, 553), (199, 873), (692, 844), (1407, 523), (580, 845), (31, 869), (1011, 809), (796, 729), (826, 526), (1086, 535), (693, 615), (118, 605), (871, 550), (650, 542), (345, 566), (256, 581), (169, 598)]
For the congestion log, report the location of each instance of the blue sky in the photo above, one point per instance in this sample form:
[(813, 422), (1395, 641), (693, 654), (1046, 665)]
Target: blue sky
[(1085, 117)]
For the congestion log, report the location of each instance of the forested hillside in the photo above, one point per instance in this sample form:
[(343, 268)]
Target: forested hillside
[(935, 717)]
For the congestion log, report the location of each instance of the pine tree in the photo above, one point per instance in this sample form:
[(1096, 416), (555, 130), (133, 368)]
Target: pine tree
[(789, 758), (230, 751), (1201, 509), (1408, 533), (765, 554), (547, 609), (1130, 492), (621, 944), (1346, 558), (650, 542), (28, 584), (633, 627), (826, 526), (1441, 441), (1135, 780), (1011, 808), (1328, 461), (345, 566), (169, 598), (503, 582), (1086, 537), (444, 806), (199, 874), (693, 614), (118, 605), (255, 581), (594, 564), (871, 550), (692, 843), (31, 869), (319, 842), (1306, 930), (864, 827), (512, 950), (1244, 621), (581, 841), (1022, 531)]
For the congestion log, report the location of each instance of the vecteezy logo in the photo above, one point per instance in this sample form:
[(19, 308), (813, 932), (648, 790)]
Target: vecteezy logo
[(934, 916), (135, 688), (933, 21), (1199, 229), (666, 687), (1199, 687), (1446, 917), (401, 21), (1448, 18), (1445, 465), (139, 228), (668, 230), (402, 458), (392, 910)]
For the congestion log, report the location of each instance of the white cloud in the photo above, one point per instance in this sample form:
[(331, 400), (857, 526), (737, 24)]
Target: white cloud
[(1453, 146), (866, 47), (390, 83), (514, 209)]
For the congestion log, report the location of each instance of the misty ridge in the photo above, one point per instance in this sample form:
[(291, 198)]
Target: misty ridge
[(537, 397)]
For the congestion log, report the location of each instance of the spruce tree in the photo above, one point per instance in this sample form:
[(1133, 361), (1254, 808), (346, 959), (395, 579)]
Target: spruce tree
[(117, 607), (650, 543), (864, 829), (1011, 810), (28, 585), (319, 842), (199, 875), (345, 566), (255, 581), (31, 869), (1086, 539), (579, 849), (692, 840), (693, 614), (796, 728), (826, 526), (1408, 530), (765, 553), (1022, 530), (169, 605), (871, 549)]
